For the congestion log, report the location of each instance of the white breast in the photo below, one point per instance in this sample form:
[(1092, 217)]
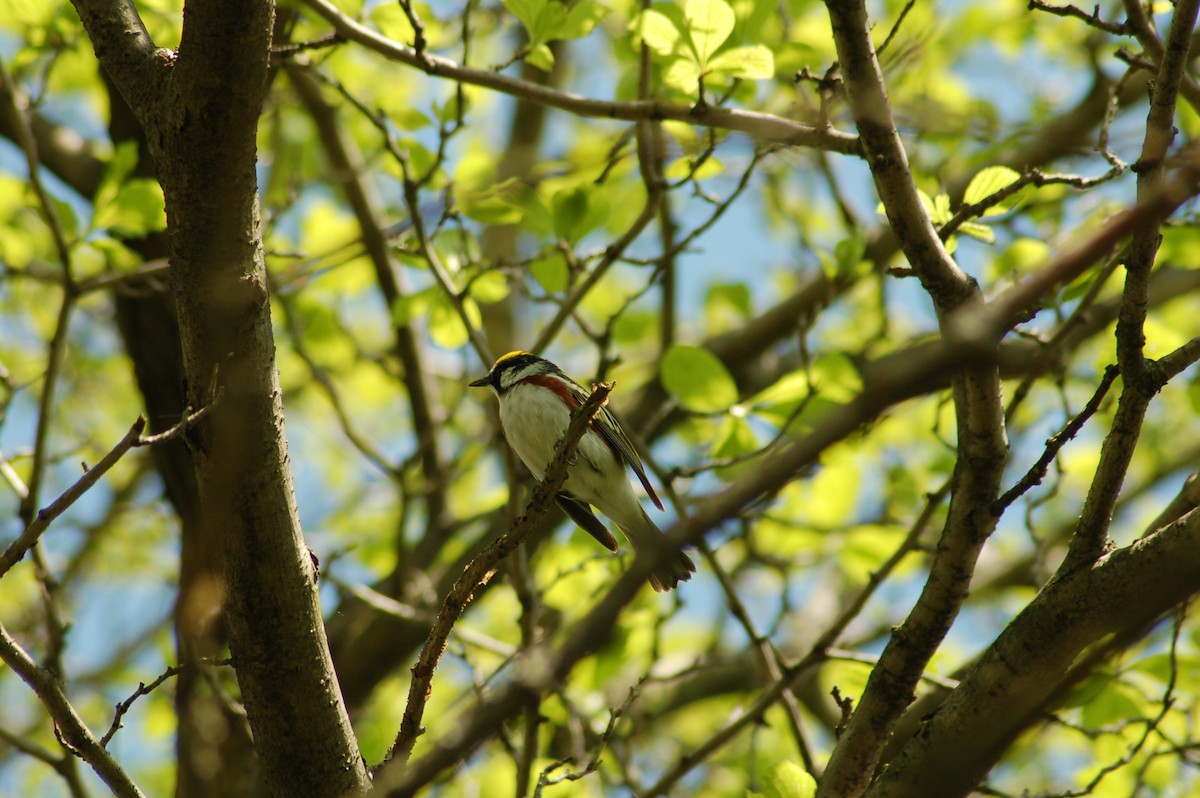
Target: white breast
[(534, 420)]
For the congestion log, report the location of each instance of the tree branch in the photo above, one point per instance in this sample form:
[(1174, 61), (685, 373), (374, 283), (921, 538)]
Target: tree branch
[(73, 733), (1028, 667), (759, 125), (982, 444)]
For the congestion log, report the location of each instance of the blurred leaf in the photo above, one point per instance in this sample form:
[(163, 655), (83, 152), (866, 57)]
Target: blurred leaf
[(136, 209), (684, 167), (683, 74), (978, 231), (577, 211), (446, 326), (696, 378), (836, 378), (987, 182), (1086, 689), (790, 389), (709, 24), (735, 439), (551, 273), (1115, 703), (581, 19), (489, 287), (392, 22), (867, 547), (116, 254), (541, 57), (788, 780), (657, 31), (752, 63)]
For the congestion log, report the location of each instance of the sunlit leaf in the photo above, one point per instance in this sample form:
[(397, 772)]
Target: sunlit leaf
[(836, 377), (489, 287), (541, 57), (709, 24), (988, 182), (686, 167), (657, 32), (135, 209), (751, 63), (978, 231), (446, 325), (551, 273), (683, 74), (392, 22), (697, 379), (581, 19), (788, 780)]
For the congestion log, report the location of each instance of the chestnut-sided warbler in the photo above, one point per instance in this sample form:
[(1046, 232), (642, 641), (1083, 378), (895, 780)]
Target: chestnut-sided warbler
[(536, 400)]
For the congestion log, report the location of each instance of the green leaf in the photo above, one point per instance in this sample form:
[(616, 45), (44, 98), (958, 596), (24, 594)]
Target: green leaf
[(135, 210), (541, 57), (548, 22), (581, 19), (941, 209), (526, 11), (446, 326), (489, 287), (978, 231), (835, 377), (392, 22), (577, 211), (751, 63), (684, 167), (657, 32), (409, 307), (683, 74), (696, 378), (987, 182), (788, 780), (116, 255), (551, 273), (735, 439), (1086, 690), (789, 389), (709, 24)]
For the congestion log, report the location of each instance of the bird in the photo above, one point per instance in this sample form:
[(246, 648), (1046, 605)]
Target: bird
[(536, 400)]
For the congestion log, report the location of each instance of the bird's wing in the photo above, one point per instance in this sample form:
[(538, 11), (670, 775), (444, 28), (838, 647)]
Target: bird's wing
[(610, 429), (582, 515)]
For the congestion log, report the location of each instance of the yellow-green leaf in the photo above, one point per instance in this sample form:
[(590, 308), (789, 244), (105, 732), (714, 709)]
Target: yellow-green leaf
[(541, 57), (788, 780), (979, 231), (988, 181), (551, 273), (751, 63), (696, 378), (686, 167), (683, 74), (657, 32), (709, 24)]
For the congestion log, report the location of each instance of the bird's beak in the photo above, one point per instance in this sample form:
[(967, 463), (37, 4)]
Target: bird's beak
[(482, 382)]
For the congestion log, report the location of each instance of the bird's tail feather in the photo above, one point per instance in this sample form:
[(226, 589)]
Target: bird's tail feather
[(673, 567)]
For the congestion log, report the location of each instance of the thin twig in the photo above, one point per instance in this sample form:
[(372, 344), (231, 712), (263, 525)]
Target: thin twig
[(38, 525), (1054, 444), (146, 689)]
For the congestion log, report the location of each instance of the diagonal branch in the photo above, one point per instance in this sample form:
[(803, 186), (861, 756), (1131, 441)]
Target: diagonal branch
[(73, 733)]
